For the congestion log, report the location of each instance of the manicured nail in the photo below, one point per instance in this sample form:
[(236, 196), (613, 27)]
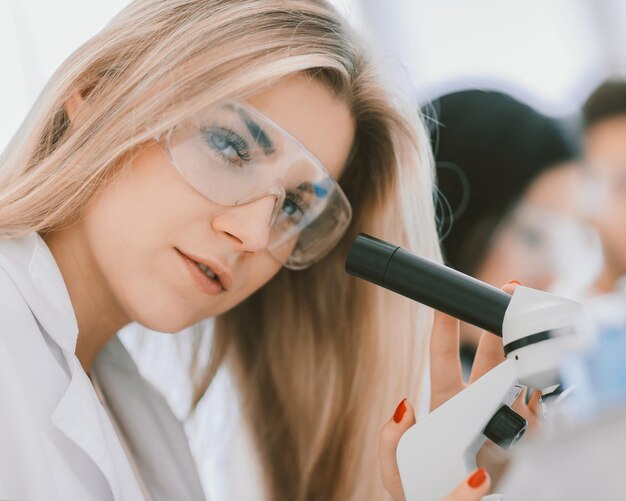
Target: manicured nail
[(477, 479), (400, 410), (516, 282)]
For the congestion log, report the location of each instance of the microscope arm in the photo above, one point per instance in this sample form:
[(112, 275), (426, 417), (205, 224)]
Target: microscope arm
[(441, 448)]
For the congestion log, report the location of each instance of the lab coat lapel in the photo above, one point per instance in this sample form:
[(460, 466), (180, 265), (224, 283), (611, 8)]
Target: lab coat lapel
[(30, 265), (166, 465), (79, 415)]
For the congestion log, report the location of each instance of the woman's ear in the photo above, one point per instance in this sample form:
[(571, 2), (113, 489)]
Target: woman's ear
[(74, 105)]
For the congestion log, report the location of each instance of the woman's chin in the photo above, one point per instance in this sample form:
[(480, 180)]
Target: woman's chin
[(166, 320)]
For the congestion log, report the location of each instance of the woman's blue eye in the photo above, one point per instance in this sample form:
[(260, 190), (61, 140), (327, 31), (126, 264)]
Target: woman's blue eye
[(294, 207), (228, 144), (218, 141), (290, 208)]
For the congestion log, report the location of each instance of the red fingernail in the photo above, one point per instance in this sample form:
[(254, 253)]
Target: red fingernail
[(477, 479), (516, 282), (400, 410)]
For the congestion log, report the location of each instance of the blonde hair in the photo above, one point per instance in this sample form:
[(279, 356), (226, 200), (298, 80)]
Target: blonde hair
[(322, 368)]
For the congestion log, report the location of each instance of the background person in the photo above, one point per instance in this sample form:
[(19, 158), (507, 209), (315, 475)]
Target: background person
[(604, 130), (498, 164)]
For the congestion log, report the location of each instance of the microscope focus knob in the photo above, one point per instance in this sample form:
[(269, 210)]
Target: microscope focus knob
[(506, 427)]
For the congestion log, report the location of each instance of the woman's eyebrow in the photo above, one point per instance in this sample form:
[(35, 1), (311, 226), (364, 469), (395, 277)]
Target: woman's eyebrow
[(313, 188), (257, 133)]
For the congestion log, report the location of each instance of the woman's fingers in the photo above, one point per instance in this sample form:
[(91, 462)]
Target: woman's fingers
[(510, 287), (403, 418), (529, 411), (472, 488), (489, 352), (446, 378), (534, 403)]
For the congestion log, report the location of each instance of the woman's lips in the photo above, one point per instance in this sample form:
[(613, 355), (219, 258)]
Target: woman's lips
[(201, 281), (223, 274)]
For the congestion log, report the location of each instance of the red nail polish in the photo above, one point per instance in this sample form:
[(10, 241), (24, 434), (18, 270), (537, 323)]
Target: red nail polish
[(477, 479), (516, 282), (400, 410)]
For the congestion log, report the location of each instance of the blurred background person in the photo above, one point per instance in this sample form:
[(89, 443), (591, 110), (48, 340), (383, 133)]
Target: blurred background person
[(604, 136), (508, 197), (604, 139)]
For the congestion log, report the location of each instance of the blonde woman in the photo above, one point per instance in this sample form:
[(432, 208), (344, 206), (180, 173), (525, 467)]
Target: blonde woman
[(202, 159)]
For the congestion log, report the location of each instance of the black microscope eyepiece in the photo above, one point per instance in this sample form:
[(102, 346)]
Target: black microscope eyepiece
[(427, 282)]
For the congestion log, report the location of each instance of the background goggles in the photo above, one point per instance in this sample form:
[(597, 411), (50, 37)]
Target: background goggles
[(233, 154)]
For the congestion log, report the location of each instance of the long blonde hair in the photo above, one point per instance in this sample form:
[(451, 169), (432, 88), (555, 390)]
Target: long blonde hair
[(321, 358)]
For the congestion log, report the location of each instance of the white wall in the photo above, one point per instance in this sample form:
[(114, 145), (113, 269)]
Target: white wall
[(35, 37), (551, 52)]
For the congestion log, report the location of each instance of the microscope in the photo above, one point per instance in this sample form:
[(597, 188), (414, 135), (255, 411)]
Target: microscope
[(537, 328)]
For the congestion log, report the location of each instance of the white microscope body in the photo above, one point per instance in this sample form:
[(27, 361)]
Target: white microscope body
[(440, 450)]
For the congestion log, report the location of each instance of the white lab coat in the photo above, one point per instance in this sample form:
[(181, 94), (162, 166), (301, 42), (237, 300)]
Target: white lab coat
[(57, 440)]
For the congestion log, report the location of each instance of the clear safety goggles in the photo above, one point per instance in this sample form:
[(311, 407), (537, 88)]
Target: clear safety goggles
[(604, 184), (546, 242), (233, 155)]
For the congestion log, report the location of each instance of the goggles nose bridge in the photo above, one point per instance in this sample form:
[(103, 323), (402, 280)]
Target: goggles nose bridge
[(279, 193)]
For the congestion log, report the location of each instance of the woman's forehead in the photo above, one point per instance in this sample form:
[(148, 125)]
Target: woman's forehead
[(308, 111)]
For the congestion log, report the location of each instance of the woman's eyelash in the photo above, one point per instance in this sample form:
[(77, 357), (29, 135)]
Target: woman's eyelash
[(240, 143), (297, 199), (233, 140)]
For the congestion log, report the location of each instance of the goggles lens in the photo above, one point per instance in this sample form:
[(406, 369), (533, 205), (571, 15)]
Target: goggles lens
[(232, 154)]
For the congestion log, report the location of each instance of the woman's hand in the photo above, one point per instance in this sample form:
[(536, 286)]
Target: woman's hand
[(445, 364), (446, 382), (472, 488)]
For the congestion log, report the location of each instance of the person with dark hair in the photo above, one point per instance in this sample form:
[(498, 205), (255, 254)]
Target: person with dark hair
[(499, 165), (604, 131), (606, 101)]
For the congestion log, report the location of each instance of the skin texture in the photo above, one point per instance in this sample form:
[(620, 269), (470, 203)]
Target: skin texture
[(120, 262), (605, 156)]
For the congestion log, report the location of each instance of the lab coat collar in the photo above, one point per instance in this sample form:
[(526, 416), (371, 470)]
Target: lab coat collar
[(32, 268), (79, 415), (166, 465)]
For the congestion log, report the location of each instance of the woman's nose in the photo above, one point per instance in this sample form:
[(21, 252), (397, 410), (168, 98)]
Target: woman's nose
[(247, 225)]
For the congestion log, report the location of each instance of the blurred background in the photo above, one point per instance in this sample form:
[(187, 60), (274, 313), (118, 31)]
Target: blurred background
[(550, 52)]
